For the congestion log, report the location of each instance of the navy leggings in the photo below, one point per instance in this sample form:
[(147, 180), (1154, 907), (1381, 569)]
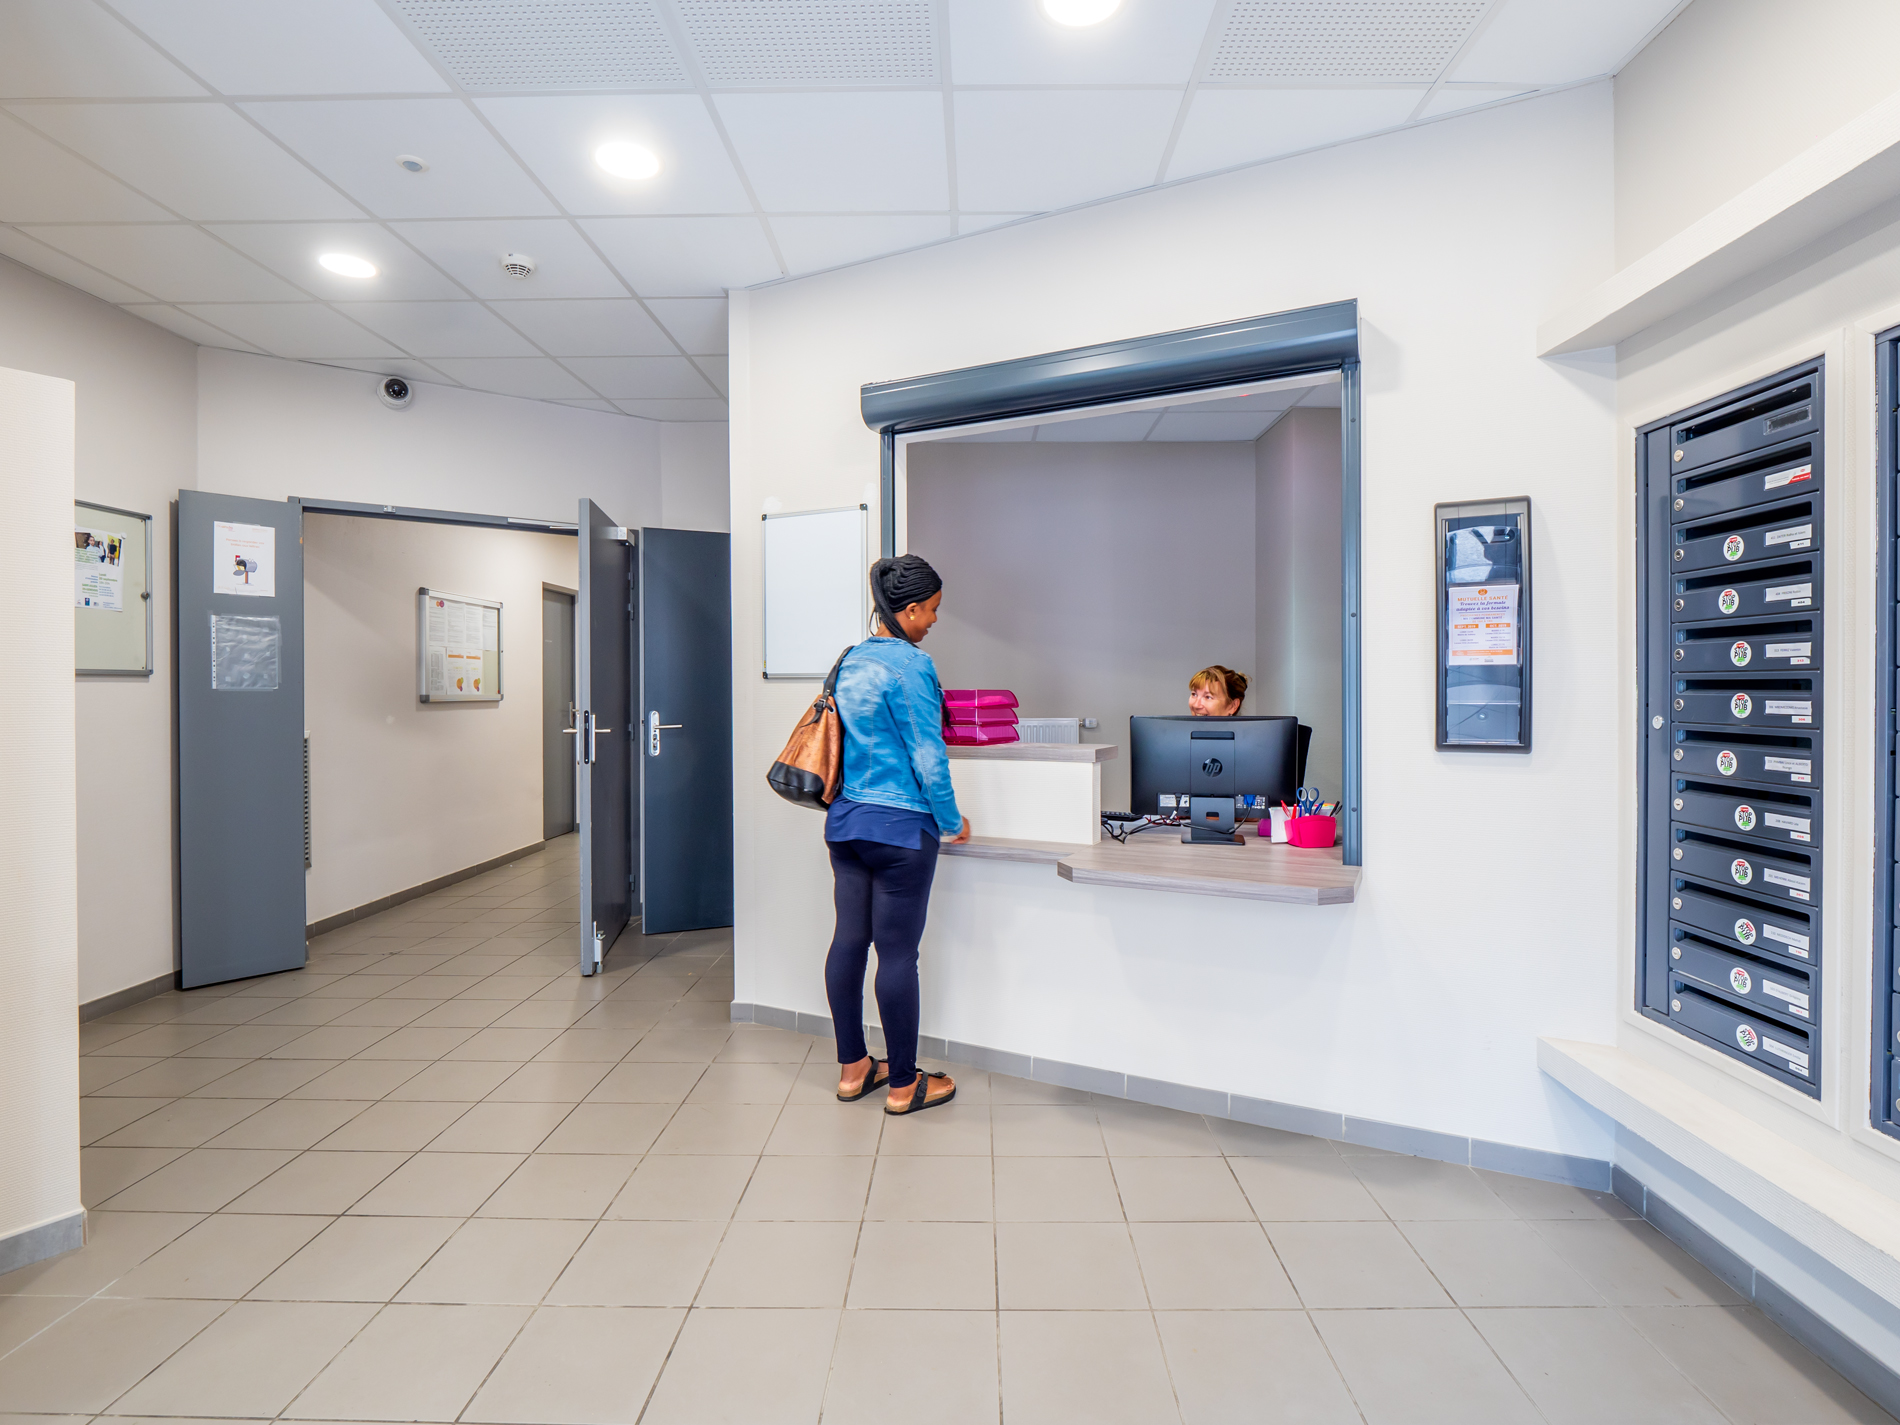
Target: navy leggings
[(882, 894)]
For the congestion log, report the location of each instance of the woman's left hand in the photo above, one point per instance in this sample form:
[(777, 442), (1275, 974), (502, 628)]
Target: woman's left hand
[(962, 836)]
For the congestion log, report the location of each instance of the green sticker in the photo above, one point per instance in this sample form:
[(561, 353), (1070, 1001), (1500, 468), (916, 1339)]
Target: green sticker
[(1732, 548), (1746, 1037), (1744, 817), (1729, 601), (1741, 705), (1725, 762), (1741, 871), (1739, 652), (1739, 981), (1745, 931)]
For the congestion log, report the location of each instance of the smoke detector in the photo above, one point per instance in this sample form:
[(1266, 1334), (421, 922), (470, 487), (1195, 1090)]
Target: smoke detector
[(518, 265), (409, 163)]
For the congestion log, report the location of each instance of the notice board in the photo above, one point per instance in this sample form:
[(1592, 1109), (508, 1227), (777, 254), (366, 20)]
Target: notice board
[(458, 648), (112, 591), (817, 589)]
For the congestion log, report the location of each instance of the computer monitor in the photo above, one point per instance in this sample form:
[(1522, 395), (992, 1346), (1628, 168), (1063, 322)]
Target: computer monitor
[(1250, 762)]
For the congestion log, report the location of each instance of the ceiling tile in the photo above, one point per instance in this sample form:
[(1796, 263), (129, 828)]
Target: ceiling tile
[(1031, 150), (1452, 99), (201, 160), (355, 143), (286, 46), (718, 371), (1232, 126), (553, 44), (1276, 398), (677, 410), (402, 366), (829, 153), (556, 138), (432, 329), (171, 261), (968, 223), (1323, 396), (1232, 425), (37, 255), (535, 377), (42, 183), (1013, 42), (189, 327), (640, 377), (72, 49), (305, 330), (685, 257), (1557, 41), (589, 327), (471, 253), (593, 405), (812, 244), (1397, 41), (743, 42), (698, 323), (291, 251), (1127, 425)]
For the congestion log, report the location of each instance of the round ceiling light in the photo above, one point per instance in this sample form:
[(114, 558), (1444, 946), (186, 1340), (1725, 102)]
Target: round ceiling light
[(411, 163), (346, 265), (627, 160), (1077, 13)]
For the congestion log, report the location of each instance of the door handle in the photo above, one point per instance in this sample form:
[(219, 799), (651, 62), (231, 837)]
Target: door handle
[(654, 728)]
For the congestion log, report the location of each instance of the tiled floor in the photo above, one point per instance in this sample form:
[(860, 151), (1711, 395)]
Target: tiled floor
[(438, 1176)]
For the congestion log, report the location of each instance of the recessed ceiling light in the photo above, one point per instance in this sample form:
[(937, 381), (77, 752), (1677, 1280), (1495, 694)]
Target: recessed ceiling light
[(1078, 13), (627, 160), (409, 163), (346, 265)]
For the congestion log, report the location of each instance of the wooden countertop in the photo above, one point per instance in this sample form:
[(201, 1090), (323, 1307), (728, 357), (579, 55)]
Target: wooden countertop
[(1038, 752), (1158, 861)]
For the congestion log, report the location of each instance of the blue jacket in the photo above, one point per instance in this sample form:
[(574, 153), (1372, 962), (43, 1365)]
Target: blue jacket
[(891, 706)]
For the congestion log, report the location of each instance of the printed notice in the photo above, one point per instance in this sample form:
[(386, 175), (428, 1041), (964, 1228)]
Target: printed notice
[(1794, 710), (461, 648), (244, 560), (1796, 593), (1482, 625), (98, 569), (1795, 536), (1796, 1059)]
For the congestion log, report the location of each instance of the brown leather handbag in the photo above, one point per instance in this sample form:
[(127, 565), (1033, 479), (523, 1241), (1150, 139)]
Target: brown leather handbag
[(808, 771)]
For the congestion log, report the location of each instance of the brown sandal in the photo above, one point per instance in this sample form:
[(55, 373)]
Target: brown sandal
[(920, 1096), (871, 1081)]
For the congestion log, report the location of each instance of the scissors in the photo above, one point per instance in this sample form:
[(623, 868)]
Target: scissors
[(1308, 799)]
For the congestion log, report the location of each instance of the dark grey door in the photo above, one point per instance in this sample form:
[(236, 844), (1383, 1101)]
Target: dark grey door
[(604, 623), (557, 713), (238, 600), (686, 740)]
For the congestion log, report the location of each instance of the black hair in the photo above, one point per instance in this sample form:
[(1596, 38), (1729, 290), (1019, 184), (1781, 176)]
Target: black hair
[(898, 583)]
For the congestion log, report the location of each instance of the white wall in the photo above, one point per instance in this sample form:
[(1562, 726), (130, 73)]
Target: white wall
[(39, 884), (1093, 579), (1297, 533), (1421, 1003), (693, 471), (401, 791)]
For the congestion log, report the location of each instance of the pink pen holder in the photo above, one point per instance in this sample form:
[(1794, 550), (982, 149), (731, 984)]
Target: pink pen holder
[(1313, 832)]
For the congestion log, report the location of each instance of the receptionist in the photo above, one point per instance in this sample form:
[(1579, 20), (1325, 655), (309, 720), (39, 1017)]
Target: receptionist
[(1216, 692)]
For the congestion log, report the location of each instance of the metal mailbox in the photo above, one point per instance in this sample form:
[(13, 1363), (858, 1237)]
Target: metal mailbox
[(1784, 588), (1778, 1048), (1770, 532), (1773, 989), (1750, 758), (1734, 921)]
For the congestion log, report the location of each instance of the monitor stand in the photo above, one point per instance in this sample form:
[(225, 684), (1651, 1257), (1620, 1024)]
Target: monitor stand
[(1211, 822)]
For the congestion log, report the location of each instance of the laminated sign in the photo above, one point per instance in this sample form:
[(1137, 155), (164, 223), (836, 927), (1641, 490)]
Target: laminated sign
[(1481, 622), (460, 646)]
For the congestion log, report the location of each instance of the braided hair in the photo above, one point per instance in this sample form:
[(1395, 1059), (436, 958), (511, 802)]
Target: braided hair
[(897, 584)]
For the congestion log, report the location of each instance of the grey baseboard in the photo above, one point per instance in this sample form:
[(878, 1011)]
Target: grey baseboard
[(48, 1239), (363, 912), (131, 994), (1522, 1162)]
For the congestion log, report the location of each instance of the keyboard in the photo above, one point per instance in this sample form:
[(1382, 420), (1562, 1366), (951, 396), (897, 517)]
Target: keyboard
[(1121, 816)]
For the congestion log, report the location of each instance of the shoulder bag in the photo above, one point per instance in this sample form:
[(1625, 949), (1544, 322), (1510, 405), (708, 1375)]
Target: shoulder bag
[(808, 771)]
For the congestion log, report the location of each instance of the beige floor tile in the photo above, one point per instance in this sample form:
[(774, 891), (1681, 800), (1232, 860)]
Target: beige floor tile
[(513, 1046), (252, 1361), (1135, 1130), (1422, 1368), (1056, 1190), (418, 1042), (360, 1079), (781, 1264), (957, 1130), (322, 1183), (288, 1123), (789, 1189), (460, 1014), (682, 1046), (1588, 1366), (744, 1083), (104, 1172), (168, 1078), (221, 1258), (309, 1011), (389, 1013), (731, 1128), (549, 1082), (615, 1128), (1039, 1131), (500, 1128), (590, 1046), (1180, 1190), (1007, 1089), (1226, 1365), (160, 1040), (392, 1127), (933, 1266), (931, 1189), (787, 1354), (1067, 1266), (1751, 1368), (1497, 1264), (1248, 1140), (1344, 1265), (513, 988), (1210, 1266), (639, 1264), (116, 1242), (452, 1083), (1536, 1201), (439, 1185), (585, 1367), (24, 1317), (497, 1261), (1632, 1264), (570, 1185), (185, 1123), (266, 1079), (102, 1117), (647, 1083), (1070, 1367), (541, 1014), (621, 1014), (245, 1041), (690, 1013), (1421, 1190), (232, 1010), (682, 1187), (1305, 1188), (98, 1034), (832, 1130), (921, 1367), (97, 1074), (413, 1363), (202, 1180), (91, 1356), (358, 1259), (333, 1041)]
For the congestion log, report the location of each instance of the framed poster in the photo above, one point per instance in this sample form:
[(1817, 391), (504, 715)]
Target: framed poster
[(458, 648), (1484, 625), (112, 592)]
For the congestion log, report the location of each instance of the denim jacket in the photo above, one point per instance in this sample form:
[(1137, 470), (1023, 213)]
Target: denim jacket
[(891, 706)]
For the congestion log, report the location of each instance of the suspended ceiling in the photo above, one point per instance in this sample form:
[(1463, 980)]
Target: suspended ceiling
[(189, 159)]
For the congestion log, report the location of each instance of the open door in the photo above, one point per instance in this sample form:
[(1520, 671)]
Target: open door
[(603, 616), (685, 583), (238, 601)]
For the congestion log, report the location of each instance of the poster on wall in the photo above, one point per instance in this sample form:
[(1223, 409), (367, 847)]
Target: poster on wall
[(244, 560), (1481, 626), (458, 646), (98, 569)]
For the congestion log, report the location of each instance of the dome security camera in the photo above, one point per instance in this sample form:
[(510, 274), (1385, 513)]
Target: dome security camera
[(395, 392)]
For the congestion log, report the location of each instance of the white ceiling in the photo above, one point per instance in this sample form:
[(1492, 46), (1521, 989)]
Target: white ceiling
[(1228, 418), (189, 159)]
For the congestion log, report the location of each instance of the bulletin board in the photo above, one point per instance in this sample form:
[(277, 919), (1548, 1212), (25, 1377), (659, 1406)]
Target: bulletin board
[(112, 592), (458, 648), (817, 589), (1484, 625)]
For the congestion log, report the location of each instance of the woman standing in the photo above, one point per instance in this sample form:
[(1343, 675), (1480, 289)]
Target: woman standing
[(883, 829)]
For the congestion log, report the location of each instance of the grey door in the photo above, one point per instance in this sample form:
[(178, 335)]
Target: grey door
[(557, 713), (238, 600), (685, 601), (603, 618)]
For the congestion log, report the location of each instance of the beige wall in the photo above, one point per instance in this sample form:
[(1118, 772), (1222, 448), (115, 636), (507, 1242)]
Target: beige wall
[(403, 791), (693, 477), (1731, 90)]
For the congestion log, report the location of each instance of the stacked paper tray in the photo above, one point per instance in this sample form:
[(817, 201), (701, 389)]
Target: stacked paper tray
[(979, 717)]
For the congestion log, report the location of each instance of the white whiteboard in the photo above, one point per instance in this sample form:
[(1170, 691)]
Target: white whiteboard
[(817, 588)]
